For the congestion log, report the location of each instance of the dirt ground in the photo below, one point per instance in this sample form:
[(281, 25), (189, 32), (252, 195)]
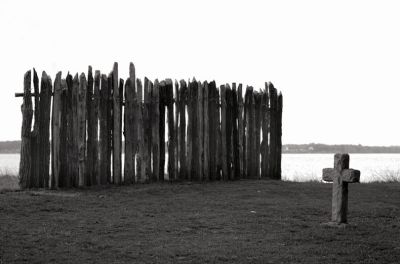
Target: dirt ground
[(231, 222)]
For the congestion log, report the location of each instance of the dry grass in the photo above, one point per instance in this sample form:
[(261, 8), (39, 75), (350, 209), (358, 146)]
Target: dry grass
[(387, 175), (233, 222), (8, 181)]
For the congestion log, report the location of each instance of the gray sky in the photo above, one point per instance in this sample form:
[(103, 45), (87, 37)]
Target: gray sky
[(336, 62)]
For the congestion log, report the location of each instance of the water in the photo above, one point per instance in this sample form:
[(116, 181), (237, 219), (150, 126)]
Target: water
[(9, 164), (373, 167), (296, 167)]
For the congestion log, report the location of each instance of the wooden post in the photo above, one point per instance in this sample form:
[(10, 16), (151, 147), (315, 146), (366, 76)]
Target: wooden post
[(235, 133), (27, 113), (82, 129), (279, 137), (219, 135), (44, 130), (213, 129), (156, 131), (69, 180), (117, 128), (195, 150), (224, 159), (176, 102), (129, 128), (56, 132), (257, 98), (189, 142), (104, 131), (136, 124), (146, 162), (273, 136), (90, 133), (110, 125), (64, 176), (150, 106), (95, 128), (248, 133), (206, 135), (75, 158), (265, 133), (140, 157), (252, 134), (182, 130), (229, 131), (241, 129), (169, 97), (200, 129), (162, 129), (35, 156)]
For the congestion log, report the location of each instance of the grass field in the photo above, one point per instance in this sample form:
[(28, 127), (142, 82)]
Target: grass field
[(233, 222)]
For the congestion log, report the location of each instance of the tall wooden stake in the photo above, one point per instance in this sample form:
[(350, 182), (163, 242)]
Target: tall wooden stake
[(117, 128), (44, 130), (155, 131), (82, 129), (182, 131), (27, 113), (56, 132), (129, 128)]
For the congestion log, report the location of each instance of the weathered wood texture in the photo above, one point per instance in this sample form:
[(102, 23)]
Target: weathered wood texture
[(189, 142), (70, 144), (213, 129), (91, 137), (161, 130), (235, 133), (224, 154), (169, 102), (265, 135), (147, 130), (44, 130), (34, 182), (82, 130), (56, 133), (200, 124), (117, 127), (95, 104), (63, 174), (279, 137), (182, 130), (27, 113), (129, 127), (272, 164), (229, 131), (241, 129), (105, 133), (207, 133), (176, 128), (75, 134), (155, 121), (257, 115), (193, 118)]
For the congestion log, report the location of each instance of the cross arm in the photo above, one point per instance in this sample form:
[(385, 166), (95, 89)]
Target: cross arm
[(328, 174), (350, 175)]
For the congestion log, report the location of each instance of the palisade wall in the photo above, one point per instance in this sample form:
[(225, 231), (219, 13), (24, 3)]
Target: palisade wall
[(80, 126)]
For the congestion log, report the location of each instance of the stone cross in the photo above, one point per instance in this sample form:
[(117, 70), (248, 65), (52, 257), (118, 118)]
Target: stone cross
[(340, 175)]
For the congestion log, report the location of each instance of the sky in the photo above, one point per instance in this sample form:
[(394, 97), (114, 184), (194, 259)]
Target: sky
[(337, 63)]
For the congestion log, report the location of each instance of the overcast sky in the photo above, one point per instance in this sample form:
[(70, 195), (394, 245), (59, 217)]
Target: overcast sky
[(337, 63)]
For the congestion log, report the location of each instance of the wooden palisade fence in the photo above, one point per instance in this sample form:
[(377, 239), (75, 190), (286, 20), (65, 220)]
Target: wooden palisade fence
[(212, 133)]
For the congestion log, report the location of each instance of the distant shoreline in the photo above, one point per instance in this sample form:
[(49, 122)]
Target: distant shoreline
[(345, 148), (13, 147)]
